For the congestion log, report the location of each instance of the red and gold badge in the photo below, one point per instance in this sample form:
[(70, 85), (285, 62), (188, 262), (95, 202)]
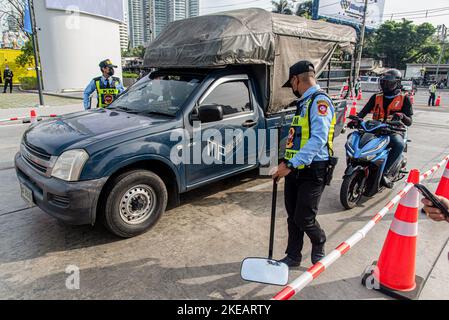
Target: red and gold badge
[(323, 108), (108, 99)]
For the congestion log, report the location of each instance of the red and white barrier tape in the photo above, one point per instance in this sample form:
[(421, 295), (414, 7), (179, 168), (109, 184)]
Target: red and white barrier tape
[(27, 117), (435, 168), (307, 277)]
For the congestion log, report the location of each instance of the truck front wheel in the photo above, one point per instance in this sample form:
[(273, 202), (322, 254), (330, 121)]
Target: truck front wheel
[(135, 202)]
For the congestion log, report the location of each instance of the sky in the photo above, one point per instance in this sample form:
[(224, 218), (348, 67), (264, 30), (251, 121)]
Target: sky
[(391, 7)]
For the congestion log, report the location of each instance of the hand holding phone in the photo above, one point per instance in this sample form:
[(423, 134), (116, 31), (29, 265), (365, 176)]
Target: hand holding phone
[(433, 201)]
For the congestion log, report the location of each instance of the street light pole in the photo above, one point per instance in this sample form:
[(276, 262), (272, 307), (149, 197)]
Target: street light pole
[(443, 48), (36, 52), (362, 40)]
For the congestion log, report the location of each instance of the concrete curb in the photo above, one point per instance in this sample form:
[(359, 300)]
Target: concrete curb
[(52, 94)]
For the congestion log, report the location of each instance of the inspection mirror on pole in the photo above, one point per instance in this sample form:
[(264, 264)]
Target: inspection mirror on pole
[(263, 270)]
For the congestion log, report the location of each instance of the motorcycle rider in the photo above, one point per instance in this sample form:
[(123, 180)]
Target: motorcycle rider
[(389, 105)]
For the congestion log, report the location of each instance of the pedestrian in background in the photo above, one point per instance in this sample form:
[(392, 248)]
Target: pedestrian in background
[(8, 76), (433, 94), (358, 86)]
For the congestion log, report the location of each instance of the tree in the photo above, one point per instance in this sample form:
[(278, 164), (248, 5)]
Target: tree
[(282, 6), (18, 11), (399, 43), (304, 9), (134, 52), (26, 58)]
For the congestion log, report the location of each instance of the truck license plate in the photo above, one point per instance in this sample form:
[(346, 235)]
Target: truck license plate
[(27, 195)]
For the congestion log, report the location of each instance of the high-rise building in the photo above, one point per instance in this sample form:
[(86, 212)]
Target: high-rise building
[(194, 8), (147, 18), (136, 23), (12, 21), (124, 31)]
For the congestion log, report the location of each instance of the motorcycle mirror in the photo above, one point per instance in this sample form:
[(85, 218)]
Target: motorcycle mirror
[(265, 271)]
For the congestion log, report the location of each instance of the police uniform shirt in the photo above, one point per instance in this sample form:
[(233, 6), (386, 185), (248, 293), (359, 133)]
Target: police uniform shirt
[(92, 87), (321, 115)]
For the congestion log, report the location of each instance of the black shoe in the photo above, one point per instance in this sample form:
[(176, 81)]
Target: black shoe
[(386, 182), (291, 263), (317, 253)]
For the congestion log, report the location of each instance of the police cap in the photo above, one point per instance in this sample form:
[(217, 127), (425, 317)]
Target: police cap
[(297, 69)]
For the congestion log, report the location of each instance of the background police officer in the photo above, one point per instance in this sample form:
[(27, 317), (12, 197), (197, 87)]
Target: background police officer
[(8, 76), (107, 86), (390, 104), (309, 146), (433, 94)]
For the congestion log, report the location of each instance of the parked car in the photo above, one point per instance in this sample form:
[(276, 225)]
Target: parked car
[(408, 86), (369, 84), (116, 165)]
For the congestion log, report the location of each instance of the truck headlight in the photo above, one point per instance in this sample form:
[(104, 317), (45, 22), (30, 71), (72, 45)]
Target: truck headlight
[(69, 165)]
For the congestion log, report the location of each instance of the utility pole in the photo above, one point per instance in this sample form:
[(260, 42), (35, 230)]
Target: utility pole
[(443, 48), (362, 40), (36, 52)]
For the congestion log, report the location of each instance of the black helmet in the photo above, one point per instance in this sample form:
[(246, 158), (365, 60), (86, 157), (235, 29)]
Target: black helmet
[(390, 81)]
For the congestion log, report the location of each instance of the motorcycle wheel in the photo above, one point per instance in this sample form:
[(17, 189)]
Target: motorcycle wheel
[(352, 190)]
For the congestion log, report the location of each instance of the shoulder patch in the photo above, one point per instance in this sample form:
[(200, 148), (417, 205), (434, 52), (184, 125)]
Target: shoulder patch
[(323, 107)]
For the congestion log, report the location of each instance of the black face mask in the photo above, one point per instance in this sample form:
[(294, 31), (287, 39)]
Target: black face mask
[(111, 72), (297, 94)]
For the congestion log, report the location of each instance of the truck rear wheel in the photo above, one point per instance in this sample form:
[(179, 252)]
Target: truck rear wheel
[(135, 202)]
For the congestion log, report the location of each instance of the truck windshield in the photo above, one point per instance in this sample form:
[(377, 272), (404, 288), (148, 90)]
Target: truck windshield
[(162, 94)]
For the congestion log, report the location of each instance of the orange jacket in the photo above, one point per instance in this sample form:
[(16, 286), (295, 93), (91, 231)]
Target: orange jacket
[(394, 107)]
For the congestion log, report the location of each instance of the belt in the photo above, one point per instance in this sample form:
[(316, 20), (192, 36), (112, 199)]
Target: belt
[(317, 165)]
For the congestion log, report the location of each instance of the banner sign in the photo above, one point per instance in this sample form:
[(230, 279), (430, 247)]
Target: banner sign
[(351, 11), (110, 9)]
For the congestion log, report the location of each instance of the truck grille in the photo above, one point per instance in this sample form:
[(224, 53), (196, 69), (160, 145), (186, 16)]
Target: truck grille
[(37, 159)]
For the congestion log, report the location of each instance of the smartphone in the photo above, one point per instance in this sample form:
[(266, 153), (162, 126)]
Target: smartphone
[(431, 197)]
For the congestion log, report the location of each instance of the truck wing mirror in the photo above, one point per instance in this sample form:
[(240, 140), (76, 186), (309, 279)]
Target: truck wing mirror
[(210, 113)]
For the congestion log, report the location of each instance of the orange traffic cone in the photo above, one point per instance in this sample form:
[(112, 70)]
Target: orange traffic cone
[(360, 96), (395, 270), (438, 102), (443, 187), (353, 111)]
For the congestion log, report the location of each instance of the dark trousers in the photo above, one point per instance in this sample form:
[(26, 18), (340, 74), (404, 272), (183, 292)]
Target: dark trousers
[(303, 190), (432, 99), (397, 146), (8, 82)]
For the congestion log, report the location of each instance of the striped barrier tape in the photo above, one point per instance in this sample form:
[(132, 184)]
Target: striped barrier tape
[(434, 169), (314, 272), (27, 118), (13, 119)]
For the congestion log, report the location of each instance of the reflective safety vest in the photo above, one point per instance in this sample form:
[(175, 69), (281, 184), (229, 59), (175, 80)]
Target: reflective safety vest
[(433, 88), (105, 94), (300, 131), (394, 107)]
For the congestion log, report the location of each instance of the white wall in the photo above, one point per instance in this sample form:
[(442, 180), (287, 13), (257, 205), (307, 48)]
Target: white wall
[(72, 45)]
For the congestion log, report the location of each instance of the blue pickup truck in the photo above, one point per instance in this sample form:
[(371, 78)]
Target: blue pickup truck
[(116, 165)]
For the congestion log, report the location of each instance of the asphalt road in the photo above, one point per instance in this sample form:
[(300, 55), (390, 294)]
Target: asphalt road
[(195, 250)]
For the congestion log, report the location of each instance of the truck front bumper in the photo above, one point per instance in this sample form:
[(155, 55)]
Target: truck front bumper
[(71, 202)]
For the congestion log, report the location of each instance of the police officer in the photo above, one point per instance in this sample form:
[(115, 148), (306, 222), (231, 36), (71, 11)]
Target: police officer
[(433, 94), (107, 86), (8, 75), (305, 167), (390, 104)]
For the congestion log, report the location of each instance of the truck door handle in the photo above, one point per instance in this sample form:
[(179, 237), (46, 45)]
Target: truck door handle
[(249, 124)]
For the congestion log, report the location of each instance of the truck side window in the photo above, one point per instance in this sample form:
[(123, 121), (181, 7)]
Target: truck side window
[(232, 96)]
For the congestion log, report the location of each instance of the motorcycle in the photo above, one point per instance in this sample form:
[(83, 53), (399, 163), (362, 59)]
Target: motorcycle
[(367, 153)]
